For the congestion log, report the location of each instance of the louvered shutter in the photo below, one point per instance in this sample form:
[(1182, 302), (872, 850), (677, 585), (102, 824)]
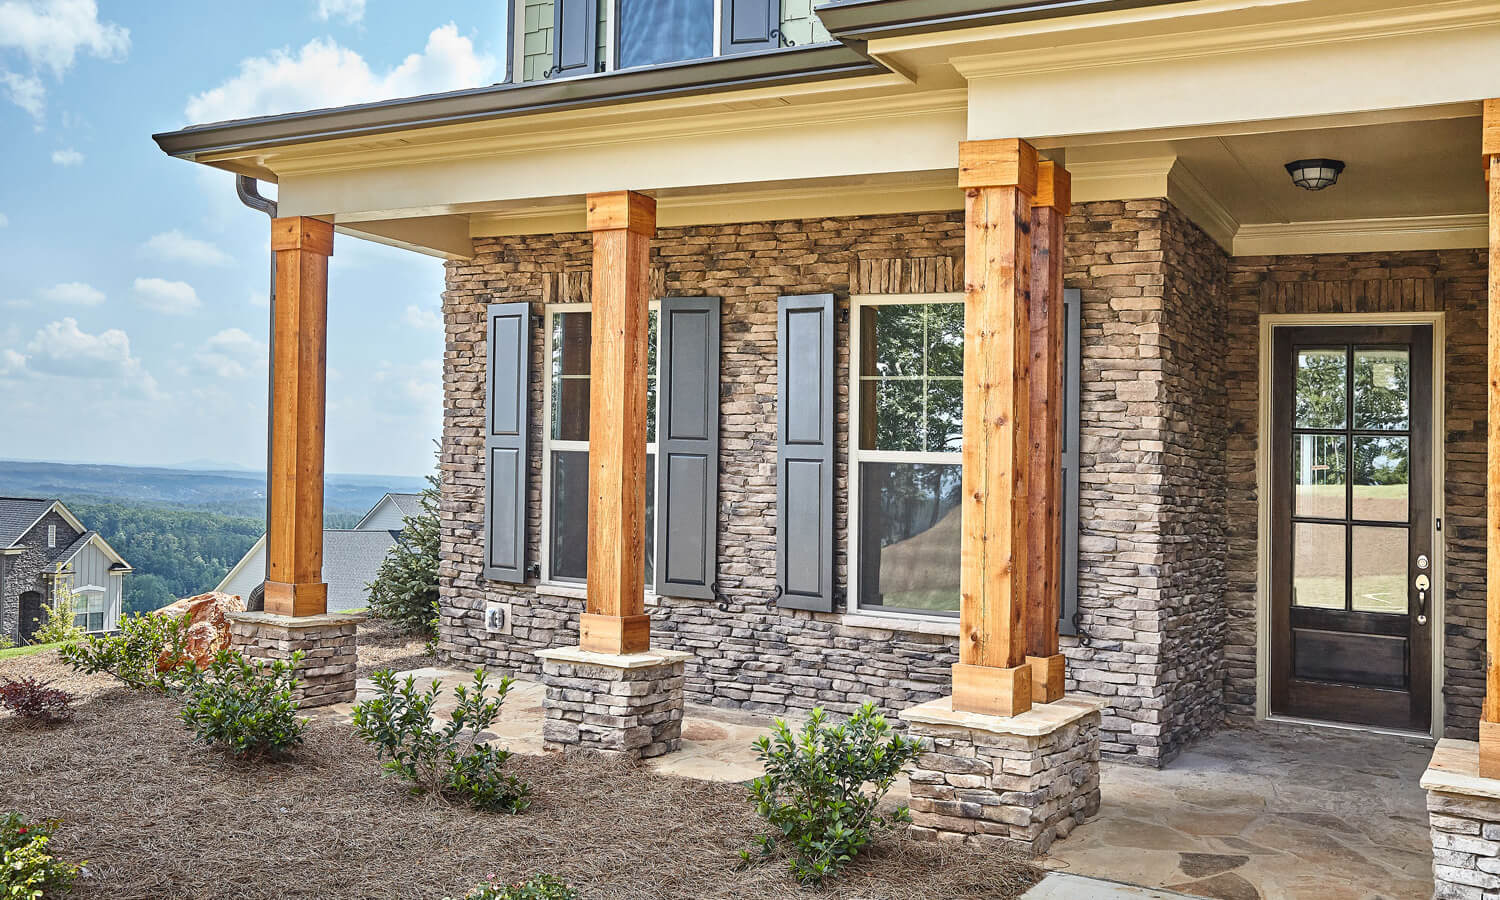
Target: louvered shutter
[(804, 445), (687, 449), (751, 25), (575, 37), (505, 439)]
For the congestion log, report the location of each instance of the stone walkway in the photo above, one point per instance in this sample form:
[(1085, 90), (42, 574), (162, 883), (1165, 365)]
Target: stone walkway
[(1274, 812)]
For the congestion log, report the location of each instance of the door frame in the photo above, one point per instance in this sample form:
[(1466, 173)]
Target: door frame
[(1264, 528)]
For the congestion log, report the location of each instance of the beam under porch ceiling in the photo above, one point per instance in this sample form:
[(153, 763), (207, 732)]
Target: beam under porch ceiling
[(1489, 725)]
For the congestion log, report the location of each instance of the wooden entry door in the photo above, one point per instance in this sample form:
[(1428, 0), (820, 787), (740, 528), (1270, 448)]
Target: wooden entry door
[(1352, 529)]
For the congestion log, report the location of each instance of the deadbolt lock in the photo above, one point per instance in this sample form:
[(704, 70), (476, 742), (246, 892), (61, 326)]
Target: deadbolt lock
[(1422, 561)]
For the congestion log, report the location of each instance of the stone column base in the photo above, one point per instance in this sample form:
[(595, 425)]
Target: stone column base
[(327, 643), (1023, 780), (1464, 811), (631, 704)]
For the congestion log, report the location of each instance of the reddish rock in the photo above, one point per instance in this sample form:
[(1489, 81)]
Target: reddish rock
[(208, 626)]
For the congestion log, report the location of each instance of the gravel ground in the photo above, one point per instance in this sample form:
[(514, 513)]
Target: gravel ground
[(157, 816)]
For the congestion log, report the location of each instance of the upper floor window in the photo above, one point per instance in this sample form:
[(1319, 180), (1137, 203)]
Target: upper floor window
[(563, 38), (51, 536)]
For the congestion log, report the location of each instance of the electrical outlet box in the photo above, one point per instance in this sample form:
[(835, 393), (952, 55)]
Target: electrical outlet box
[(497, 618)]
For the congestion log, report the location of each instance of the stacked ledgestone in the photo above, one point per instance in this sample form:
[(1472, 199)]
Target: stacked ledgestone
[(1465, 846), (328, 645), (613, 707)]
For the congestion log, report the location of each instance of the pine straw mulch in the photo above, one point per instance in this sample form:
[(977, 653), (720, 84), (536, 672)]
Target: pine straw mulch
[(385, 645), (158, 817)]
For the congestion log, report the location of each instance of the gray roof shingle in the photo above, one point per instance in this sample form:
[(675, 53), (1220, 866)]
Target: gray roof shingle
[(17, 514), (350, 560), (409, 504)]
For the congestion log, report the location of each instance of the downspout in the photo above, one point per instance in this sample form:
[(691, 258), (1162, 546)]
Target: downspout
[(248, 190)]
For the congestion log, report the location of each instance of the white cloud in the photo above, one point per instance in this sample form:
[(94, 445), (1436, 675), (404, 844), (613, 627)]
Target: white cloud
[(62, 348), (76, 292), (172, 297), (232, 353), (25, 91), (51, 33), (174, 246), (67, 157), (424, 319), (12, 363), (350, 11), (324, 74)]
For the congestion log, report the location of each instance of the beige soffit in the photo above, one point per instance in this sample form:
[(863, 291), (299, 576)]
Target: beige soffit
[(1363, 235)]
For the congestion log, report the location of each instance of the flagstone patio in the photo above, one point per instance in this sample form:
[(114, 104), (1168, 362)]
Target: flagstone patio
[(1278, 812)]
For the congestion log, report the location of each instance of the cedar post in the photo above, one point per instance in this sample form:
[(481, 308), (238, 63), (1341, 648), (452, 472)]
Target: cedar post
[(999, 180), (294, 534), (614, 619), (1049, 209), (1489, 725)]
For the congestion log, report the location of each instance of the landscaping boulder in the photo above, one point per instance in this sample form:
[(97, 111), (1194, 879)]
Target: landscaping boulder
[(207, 626)]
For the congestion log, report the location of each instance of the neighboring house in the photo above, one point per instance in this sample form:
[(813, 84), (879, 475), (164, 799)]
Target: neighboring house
[(350, 557), (37, 536)]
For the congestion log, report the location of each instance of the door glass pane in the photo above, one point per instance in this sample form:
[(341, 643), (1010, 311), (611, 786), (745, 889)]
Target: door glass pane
[(1318, 565), (1321, 388), (568, 553), (570, 376), (909, 524), (1382, 389), (1380, 576), (662, 31), (1381, 478), (1318, 473)]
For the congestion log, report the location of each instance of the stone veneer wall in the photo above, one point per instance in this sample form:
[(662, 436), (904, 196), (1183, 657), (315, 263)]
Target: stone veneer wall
[(1465, 846), (1451, 280), (23, 572), (1148, 594)]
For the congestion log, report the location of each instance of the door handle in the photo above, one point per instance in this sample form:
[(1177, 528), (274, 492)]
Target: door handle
[(1422, 584)]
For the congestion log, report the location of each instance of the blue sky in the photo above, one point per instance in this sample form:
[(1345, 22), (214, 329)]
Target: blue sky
[(132, 285)]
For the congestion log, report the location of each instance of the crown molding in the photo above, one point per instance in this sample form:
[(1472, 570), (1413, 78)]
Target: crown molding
[(1199, 203), (1125, 179), (1456, 232)]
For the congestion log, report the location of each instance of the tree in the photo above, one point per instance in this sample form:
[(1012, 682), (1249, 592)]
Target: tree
[(59, 627), (405, 589)]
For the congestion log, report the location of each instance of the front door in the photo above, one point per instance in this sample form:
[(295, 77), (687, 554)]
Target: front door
[(1352, 527)]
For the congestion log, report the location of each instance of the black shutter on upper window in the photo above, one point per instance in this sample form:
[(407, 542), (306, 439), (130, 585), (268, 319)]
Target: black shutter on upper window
[(687, 450), (751, 25), (804, 445), (506, 422), (575, 37)]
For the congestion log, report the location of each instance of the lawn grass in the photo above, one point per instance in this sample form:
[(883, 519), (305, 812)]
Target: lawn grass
[(15, 652)]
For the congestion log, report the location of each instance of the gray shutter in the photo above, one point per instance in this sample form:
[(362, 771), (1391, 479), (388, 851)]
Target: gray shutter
[(751, 25), (804, 451), (505, 436), (687, 448), (1073, 391), (575, 37)]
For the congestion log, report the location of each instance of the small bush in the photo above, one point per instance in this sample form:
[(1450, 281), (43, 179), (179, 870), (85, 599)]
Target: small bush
[(148, 653), (537, 887), (34, 700), (244, 707), (27, 870), (447, 761), (814, 791)]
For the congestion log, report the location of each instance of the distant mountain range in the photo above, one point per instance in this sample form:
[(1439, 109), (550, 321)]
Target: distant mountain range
[(228, 491)]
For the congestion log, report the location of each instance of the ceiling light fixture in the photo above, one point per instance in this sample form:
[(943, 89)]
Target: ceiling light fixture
[(1315, 174)]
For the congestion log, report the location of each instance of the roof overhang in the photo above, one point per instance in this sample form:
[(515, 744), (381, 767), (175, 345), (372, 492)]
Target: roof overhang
[(866, 20), (120, 565)]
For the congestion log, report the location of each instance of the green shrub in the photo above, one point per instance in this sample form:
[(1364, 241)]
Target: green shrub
[(148, 653), (405, 589), (27, 870), (447, 761), (245, 707), (814, 791), (537, 887)]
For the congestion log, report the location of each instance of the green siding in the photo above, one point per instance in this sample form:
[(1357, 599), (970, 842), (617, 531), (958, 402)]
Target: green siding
[(536, 44), (800, 25)]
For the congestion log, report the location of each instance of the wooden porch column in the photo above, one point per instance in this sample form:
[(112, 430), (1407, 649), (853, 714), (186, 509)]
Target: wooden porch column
[(999, 180), (1049, 210), (294, 534), (1489, 725), (614, 618)]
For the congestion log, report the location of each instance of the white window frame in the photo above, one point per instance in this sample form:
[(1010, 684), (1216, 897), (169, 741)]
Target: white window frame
[(551, 445), (611, 18), (52, 536), (91, 591), (857, 305)]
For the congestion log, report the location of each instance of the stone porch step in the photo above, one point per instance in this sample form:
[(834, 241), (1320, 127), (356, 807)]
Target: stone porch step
[(1062, 886)]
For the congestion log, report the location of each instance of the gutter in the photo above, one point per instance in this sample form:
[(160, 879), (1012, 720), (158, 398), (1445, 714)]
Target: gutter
[(866, 20)]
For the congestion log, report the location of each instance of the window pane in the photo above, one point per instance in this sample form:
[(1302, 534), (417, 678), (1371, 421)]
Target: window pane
[(891, 417), (663, 31), (945, 415), (1381, 478), (945, 339), (568, 553), (1318, 472), (1318, 566), (909, 530), (1321, 388), (571, 344), (96, 621), (1382, 389), (650, 520), (892, 340), (1380, 575), (81, 620), (651, 377)]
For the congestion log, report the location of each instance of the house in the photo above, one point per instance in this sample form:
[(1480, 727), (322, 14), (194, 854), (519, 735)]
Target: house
[(38, 537), (1178, 305), (351, 557)]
